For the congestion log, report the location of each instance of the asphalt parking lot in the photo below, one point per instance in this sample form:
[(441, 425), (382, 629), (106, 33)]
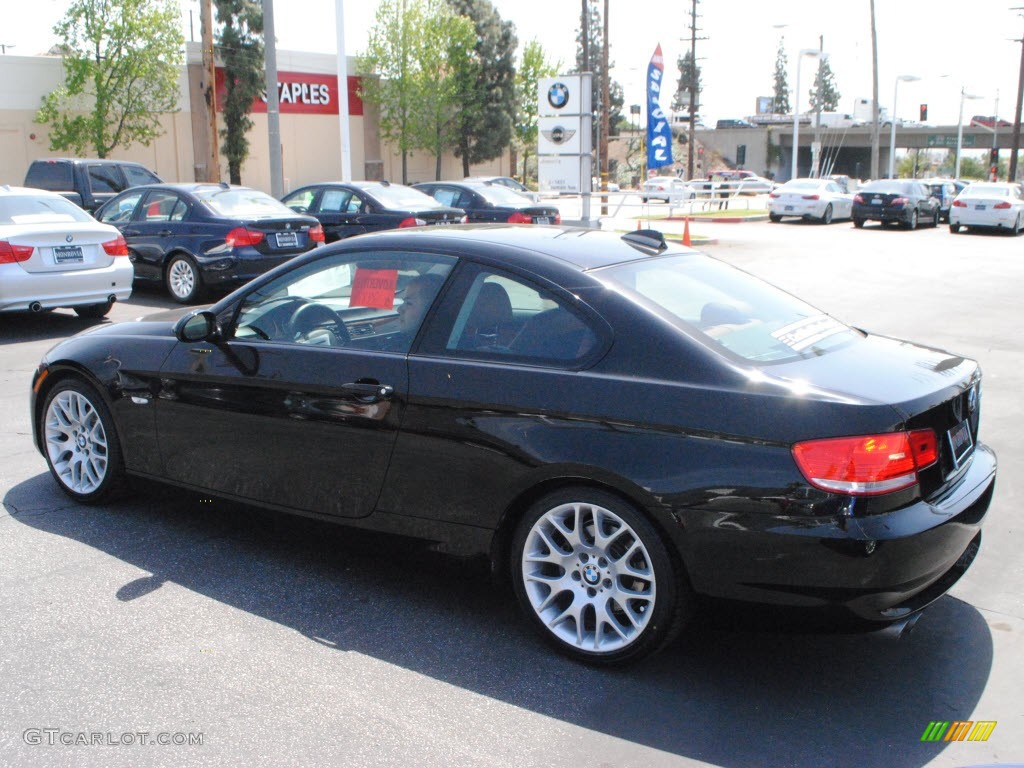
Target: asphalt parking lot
[(241, 637)]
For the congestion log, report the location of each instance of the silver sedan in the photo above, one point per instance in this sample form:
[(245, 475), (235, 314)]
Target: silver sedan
[(819, 199), (54, 254), (995, 205)]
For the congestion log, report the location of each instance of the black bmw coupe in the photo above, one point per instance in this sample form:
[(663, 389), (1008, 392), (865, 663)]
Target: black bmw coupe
[(620, 425)]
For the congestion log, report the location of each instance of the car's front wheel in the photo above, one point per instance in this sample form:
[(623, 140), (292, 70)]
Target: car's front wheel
[(184, 282), (595, 577), (80, 441), (826, 217)]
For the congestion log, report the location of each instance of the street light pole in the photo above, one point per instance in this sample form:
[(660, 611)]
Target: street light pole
[(960, 130), (892, 121), (814, 53)]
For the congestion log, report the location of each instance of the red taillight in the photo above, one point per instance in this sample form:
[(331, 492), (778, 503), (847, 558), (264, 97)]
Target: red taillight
[(869, 464), (520, 218), (412, 221), (858, 198), (959, 204), (1002, 206), (773, 195), (11, 254), (898, 201), (116, 247), (242, 236), (557, 219), (464, 220), (812, 197), (316, 234)]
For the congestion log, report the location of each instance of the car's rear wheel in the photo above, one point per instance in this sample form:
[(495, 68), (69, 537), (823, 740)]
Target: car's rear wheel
[(774, 217), (954, 228), (596, 579), (183, 280), (94, 311), (1016, 226), (858, 223), (81, 444), (826, 217)]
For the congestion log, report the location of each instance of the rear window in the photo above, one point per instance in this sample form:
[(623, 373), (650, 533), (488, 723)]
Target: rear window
[(56, 177), (28, 209), (243, 202), (499, 195), (890, 188), (731, 309), (398, 196)]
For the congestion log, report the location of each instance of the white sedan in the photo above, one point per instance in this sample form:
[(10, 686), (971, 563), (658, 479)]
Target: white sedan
[(670, 189), (54, 254), (819, 199), (997, 205)]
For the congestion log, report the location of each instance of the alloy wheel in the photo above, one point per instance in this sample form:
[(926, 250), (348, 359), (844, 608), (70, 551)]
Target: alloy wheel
[(76, 442)]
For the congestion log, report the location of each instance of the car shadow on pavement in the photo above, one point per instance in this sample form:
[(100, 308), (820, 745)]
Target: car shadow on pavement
[(718, 695)]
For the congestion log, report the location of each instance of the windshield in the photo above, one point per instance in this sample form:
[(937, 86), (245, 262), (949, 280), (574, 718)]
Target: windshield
[(730, 308), (41, 209), (399, 196), (243, 202)]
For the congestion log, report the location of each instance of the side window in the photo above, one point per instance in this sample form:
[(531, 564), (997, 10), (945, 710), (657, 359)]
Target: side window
[(355, 204), (464, 200), (335, 201), (120, 211), (504, 316), (300, 201), (106, 178), (370, 301), (163, 206), (445, 195), (137, 176)]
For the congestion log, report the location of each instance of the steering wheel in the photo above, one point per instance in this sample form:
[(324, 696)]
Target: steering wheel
[(311, 317)]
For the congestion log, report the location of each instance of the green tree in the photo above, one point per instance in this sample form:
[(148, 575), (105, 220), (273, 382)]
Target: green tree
[(446, 59), (533, 66), (595, 51), (240, 45), (689, 80), (824, 94), (487, 91), (391, 73), (780, 93), (121, 61)]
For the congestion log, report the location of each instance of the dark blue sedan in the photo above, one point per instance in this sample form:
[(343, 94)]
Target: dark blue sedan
[(195, 237)]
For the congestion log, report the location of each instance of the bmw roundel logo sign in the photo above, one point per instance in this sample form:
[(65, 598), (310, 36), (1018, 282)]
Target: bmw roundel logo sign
[(558, 95)]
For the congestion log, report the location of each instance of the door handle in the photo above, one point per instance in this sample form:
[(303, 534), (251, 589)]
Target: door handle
[(164, 233), (369, 391)]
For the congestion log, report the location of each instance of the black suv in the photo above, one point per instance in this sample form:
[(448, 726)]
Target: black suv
[(88, 183)]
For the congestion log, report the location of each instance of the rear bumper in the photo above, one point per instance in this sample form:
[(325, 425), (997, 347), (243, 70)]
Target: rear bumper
[(877, 568), (19, 289)]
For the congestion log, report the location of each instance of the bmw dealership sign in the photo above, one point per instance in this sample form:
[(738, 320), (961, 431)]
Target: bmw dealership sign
[(564, 133)]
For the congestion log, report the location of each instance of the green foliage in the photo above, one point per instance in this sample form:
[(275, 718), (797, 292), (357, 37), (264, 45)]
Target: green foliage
[(121, 61), (532, 67), (780, 92), (689, 80), (488, 91), (824, 94), (240, 45)]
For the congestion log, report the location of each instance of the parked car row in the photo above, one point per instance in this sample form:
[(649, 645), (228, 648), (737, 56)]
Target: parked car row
[(200, 236)]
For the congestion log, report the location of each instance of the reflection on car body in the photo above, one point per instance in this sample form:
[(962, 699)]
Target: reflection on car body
[(583, 410)]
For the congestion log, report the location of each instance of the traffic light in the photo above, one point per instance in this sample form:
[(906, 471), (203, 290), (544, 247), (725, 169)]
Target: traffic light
[(993, 157), (924, 113)]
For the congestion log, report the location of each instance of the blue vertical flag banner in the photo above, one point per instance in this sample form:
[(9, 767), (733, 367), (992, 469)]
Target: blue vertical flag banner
[(659, 132)]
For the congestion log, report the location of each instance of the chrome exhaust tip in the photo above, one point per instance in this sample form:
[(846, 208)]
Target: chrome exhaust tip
[(35, 306)]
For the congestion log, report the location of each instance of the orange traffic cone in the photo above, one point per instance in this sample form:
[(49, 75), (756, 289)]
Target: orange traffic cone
[(686, 231)]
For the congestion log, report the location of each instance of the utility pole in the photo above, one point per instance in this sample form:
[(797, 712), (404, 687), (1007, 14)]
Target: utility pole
[(210, 92), (1015, 143), (691, 137), (874, 95), (603, 127), (273, 103)]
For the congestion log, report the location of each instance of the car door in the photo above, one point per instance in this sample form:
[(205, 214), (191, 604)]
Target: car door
[(157, 228), (339, 212), (296, 414)]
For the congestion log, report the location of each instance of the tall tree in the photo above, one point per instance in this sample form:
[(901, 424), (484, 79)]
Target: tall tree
[(824, 94), (390, 72), (240, 45), (595, 49), (533, 66), (446, 59), (121, 61), (488, 93), (780, 93), (689, 80)]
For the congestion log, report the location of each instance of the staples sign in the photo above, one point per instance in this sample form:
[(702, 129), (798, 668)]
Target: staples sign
[(303, 93)]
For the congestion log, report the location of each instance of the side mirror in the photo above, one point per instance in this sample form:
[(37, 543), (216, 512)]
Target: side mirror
[(200, 325)]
